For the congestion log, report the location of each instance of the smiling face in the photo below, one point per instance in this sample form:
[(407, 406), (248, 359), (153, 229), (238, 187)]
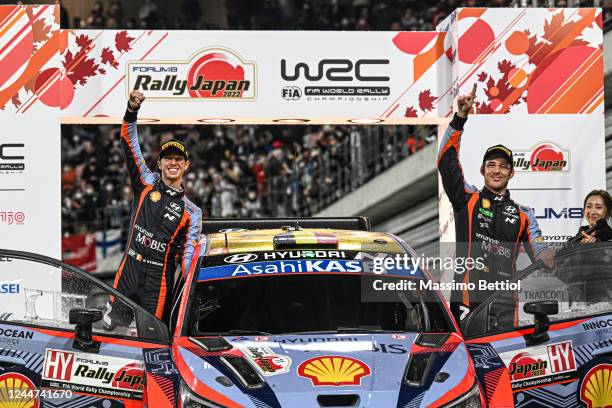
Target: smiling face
[(497, 173), (173, 167), (595, 209)]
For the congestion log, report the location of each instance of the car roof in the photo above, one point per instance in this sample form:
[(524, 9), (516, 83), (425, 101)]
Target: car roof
[(308, 238)]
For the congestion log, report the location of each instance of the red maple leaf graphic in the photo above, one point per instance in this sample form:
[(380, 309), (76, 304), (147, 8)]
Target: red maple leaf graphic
[(490, 83), (505, 66), (85, 69), (410, 112), (123, 41), (40, 31), (556, 31), (498, 90), (30, 86), (108, 57), (83, 41), (484, 108), (552, 28), (16, 101), (102, 71), (426, 100), (79, 67)]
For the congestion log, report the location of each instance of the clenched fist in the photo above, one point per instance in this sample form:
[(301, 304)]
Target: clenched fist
[(465, 102), (135, 100)]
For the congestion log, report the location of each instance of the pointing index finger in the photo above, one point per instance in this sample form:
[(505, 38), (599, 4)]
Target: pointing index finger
[(473, 93)]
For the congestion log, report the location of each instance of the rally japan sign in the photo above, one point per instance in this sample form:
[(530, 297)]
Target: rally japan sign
[(541, 66)]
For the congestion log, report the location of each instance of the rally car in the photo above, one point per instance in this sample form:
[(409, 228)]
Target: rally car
[(290, 313)]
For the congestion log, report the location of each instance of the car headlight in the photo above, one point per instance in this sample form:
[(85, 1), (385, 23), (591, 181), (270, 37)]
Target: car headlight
[(189, 399), (469, 400)]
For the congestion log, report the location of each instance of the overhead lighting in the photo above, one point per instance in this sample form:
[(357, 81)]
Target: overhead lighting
[(216, 120), (147, 120), (291, 120), (365, 121)]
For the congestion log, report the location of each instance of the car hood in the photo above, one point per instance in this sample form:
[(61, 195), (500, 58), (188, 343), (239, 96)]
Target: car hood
[(305, 370)]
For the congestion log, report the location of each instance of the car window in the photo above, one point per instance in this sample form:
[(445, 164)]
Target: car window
[(42, 294), (581, 284), (295, 295)]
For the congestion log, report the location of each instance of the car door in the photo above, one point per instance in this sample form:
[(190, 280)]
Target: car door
[(548, 343), (55, 351)]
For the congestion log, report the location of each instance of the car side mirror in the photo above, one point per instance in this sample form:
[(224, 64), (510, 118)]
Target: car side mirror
[(540, 311), (84, 319)]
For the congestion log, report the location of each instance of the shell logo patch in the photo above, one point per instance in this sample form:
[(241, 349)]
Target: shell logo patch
[(333, 370), (155, 196), (596, 389), (17, 391)]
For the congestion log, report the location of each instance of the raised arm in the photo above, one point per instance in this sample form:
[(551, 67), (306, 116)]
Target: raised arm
[(449, 166), (140, 174)]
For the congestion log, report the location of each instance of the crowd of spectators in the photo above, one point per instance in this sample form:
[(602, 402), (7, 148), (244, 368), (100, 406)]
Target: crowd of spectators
[(393, 15), (236, 171)]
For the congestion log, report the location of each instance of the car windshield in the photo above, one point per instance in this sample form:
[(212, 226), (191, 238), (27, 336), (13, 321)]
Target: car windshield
[(236, 299)]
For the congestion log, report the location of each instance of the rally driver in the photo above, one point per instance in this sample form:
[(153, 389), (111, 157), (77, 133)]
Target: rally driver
[(488, 223), (165, 226)]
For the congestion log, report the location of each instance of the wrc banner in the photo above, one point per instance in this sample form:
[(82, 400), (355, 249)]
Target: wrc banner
[(539, 76)]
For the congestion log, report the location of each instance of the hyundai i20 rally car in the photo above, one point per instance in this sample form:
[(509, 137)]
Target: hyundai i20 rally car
[(306, 313)]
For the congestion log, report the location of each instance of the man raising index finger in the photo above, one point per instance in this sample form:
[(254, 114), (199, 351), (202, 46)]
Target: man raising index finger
[(488, 223)]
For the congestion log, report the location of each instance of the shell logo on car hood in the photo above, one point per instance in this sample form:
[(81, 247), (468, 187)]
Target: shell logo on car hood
[(333, 370), (596, 390)]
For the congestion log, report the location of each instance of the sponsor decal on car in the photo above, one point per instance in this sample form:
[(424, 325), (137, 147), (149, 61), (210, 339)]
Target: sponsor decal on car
[(17, 390), (280, 267), (308, 340), (93, 374), (540, 365), (16, 333), (601, 326), (333, 370), (211, 73), (266, 361), (596, 388), (282, 255)]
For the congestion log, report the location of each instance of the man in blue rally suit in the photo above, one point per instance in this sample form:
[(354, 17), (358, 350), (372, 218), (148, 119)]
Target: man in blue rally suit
[(488, 223), (165, 226)]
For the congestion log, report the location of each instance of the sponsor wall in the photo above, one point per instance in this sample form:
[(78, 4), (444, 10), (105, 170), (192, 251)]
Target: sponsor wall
[(539, 74), (233, 75), (30, 195)]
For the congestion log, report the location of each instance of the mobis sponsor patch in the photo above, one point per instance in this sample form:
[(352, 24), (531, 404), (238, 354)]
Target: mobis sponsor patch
[(93, 374), (540, 365), (211, 73)]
